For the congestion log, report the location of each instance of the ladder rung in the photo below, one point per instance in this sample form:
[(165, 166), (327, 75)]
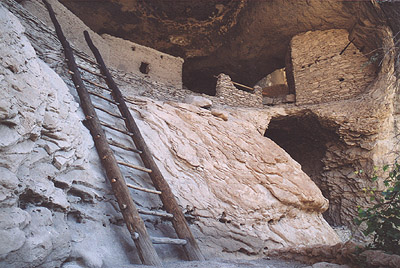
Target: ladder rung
[(163, 214), (143, 189), (119, 145), (130, 101), (91, 72), (102, 97), (166, 240), (77, 53), (108, 112), (135, 167), (116, 129), (156, 213), (96, 85)]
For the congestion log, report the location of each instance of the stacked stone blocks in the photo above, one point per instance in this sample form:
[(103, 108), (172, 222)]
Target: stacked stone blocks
[(228, 94), (323, 72)]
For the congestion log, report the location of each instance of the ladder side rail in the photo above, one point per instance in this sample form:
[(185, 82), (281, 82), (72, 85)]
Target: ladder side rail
[(167, 197), (129, 211)]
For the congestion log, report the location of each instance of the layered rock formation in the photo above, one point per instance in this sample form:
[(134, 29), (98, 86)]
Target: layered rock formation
[(247, 194)]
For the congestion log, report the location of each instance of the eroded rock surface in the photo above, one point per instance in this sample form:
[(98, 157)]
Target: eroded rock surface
[(247, 194), (247, 183)]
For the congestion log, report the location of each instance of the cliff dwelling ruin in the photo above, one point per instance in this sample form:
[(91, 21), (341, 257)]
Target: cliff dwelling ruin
[(256, 114)]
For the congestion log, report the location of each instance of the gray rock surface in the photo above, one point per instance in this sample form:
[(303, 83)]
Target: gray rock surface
[(327, 265), (247, 194)]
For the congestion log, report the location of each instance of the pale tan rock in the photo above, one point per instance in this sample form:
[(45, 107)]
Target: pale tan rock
[(198, 101), (221, 114), (290, 98), (253, 195)]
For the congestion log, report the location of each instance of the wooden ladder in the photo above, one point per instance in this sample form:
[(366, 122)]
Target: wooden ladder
[(144, 243)]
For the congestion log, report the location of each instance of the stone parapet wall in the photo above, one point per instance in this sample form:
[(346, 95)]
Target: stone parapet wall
[(131, 57), (228, 94), (322, 73)]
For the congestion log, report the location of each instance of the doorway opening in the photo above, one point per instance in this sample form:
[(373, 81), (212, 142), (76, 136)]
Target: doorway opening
[(306, 140)]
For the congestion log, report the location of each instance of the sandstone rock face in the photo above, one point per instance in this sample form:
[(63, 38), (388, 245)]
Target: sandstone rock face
[(47, 180), (344, 255), (327, 265), (247, 194), (225, 161)]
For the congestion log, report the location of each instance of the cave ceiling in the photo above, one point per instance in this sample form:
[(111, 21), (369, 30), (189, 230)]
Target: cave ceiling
[(246, 39)]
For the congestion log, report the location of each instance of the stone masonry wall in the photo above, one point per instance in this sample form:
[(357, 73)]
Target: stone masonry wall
[(321, 74), (129, 56), (117, 53), (230, 95)]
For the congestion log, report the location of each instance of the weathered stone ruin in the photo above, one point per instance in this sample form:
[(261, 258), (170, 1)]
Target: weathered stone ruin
[(327, 67), (258, 170), (230, 95), (119, 53)]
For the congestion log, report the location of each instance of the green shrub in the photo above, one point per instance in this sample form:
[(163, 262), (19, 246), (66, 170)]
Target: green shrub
[(383, 219)]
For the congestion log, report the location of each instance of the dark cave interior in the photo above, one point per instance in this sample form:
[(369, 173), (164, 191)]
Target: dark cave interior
[(305, 139)]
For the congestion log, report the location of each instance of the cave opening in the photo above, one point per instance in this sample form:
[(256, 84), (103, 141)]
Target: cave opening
[(204, 80), (201, 81), (306, 139)]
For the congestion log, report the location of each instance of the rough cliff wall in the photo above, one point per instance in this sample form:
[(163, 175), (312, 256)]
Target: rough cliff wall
[(247, 194)]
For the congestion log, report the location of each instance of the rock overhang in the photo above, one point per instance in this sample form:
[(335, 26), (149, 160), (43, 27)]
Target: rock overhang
[(244, 39)]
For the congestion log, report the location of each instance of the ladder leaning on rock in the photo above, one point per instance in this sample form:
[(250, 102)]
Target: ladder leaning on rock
[(144, 243)]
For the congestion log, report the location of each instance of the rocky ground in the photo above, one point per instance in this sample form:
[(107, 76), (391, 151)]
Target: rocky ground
[(261, 263)]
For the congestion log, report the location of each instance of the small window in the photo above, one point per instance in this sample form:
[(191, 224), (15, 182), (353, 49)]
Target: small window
[(144, 68), (133, 48)]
